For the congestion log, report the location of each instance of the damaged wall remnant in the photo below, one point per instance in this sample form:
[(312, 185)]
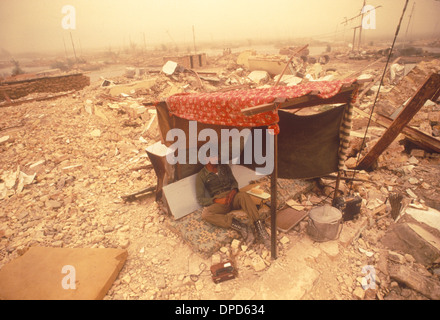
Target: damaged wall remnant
[(189, 61), (19, 89)]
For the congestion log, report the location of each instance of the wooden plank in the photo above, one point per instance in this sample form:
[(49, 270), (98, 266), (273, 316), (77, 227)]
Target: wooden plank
[(309, 100), (288, 218), (423, 140), (427, 91)]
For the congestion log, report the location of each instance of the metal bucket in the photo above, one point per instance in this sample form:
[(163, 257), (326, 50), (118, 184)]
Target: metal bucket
[(325, 223)]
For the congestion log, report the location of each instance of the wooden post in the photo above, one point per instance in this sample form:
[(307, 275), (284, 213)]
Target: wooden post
[(273, 202), (73, 46), (194, 40), (354, 38), (338, 180), (427, 91)]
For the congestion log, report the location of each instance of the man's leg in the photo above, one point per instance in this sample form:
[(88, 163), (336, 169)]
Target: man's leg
[(217, 214), (243, 201)]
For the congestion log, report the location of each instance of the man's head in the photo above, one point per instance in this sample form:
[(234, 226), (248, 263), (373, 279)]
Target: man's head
[(213, 160)]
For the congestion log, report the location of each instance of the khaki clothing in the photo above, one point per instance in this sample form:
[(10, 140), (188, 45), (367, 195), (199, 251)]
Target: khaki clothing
[(214, 183), (218, 186), (218, 214)]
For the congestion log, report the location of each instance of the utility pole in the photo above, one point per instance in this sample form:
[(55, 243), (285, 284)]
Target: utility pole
[(145, 42), (73, 46), (194, 40), (65, 50), (409, 21), (360, 26)]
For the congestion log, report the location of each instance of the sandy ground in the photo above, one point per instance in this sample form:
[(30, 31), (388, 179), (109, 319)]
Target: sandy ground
[(93, 158)]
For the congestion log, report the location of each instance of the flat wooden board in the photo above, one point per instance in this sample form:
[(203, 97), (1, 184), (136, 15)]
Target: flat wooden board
[(38, 274), (288, 218)]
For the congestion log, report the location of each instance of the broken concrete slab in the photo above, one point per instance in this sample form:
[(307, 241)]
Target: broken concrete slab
[(288, 80), (331, 248), (426, 286), (351, 231), (431, 216), (414, 240), (259, 77), (44, 273), (127, 88)]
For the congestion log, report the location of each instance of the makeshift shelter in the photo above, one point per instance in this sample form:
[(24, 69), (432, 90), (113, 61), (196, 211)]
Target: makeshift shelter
[(304, 146)]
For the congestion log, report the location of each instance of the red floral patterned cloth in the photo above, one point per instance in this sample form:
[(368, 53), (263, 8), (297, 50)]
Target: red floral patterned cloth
[(224, 108)]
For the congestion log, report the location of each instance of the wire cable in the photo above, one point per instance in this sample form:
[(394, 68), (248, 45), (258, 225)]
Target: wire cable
[(378, 91)]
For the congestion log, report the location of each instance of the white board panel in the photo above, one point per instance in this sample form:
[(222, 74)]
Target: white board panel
[(181, 195)]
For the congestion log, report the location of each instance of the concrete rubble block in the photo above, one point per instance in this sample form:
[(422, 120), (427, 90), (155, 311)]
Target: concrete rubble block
[(330, 248), (170, 67), (430, 217), (259, 77), (412, 239), (420, 283), (351, 231), (289, 80), (127, 88), (130, 72), (44, 273), (4, 139)]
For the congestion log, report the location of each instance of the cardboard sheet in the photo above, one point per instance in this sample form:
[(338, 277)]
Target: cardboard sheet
[(181, 195)]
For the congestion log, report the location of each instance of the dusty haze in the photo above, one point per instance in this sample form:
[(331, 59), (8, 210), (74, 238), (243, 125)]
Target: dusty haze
[(35, 26)]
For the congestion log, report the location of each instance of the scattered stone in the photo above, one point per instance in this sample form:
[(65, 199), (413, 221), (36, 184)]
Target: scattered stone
[(161, 282), (284, 240), (4, 139), (224, 250), (53, 204), (409, 258), (411, 193), (259, 77), (124, 243), (396, 257), (126, 279), (95, 133), (418, 153), (235, 244), (413, 160), (258, 264), (359, 293), (215, 259)]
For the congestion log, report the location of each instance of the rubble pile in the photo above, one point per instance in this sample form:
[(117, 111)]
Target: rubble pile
[(18, 89), (66, 165)]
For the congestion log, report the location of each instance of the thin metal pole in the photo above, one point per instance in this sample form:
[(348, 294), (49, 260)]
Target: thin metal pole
[(273, 201)]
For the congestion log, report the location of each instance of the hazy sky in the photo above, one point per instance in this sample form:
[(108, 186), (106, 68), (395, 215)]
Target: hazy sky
[(36, 25)]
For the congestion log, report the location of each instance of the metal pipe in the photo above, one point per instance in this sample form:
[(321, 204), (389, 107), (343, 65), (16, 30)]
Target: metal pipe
[(273, 202)]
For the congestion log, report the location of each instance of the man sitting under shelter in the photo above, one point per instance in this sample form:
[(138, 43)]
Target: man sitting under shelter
[(224, 197)]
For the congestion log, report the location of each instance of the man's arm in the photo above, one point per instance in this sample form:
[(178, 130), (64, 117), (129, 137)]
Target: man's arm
[(200, 193)]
